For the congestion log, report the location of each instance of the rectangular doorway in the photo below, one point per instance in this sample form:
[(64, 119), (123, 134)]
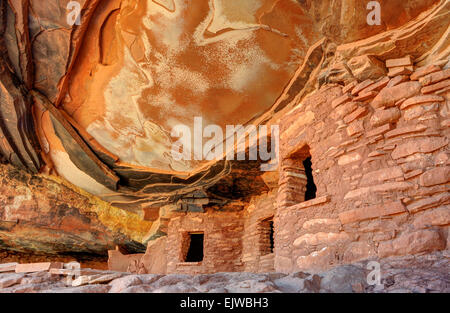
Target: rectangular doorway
[(195, 250)]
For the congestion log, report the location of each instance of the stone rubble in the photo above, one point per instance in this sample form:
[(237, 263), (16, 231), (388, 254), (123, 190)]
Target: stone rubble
[(407, 274), (363, 170)]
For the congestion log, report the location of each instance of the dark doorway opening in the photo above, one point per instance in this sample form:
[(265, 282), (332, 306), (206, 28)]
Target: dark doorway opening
[(195, 251), (310, 186), (271, 236), (267, 236)]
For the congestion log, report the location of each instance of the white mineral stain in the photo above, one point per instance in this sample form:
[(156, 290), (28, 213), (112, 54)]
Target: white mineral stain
[(65, 167)]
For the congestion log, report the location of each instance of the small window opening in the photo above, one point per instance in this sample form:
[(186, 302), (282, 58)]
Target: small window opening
[(311, 188), (195, 250), (271, 236), (267, 236)]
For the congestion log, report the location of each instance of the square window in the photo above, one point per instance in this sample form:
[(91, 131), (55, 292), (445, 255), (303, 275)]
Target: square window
[(194, 247)]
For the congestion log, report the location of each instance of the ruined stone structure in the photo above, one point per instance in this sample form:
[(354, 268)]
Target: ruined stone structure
[(86, 114), (380, 174), (380, 167)]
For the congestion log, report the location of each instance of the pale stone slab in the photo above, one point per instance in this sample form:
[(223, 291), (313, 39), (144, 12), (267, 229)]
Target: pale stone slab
[(8, 267), (372, 212), (405, 61), (37, 267)]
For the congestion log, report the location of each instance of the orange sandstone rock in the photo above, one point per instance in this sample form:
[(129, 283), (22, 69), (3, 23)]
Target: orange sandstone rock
[(389, 95), (412, 243)]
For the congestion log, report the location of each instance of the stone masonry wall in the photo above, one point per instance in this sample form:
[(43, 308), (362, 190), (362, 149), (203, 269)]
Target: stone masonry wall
[(255, 254), (380, 160), (222, 242)]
